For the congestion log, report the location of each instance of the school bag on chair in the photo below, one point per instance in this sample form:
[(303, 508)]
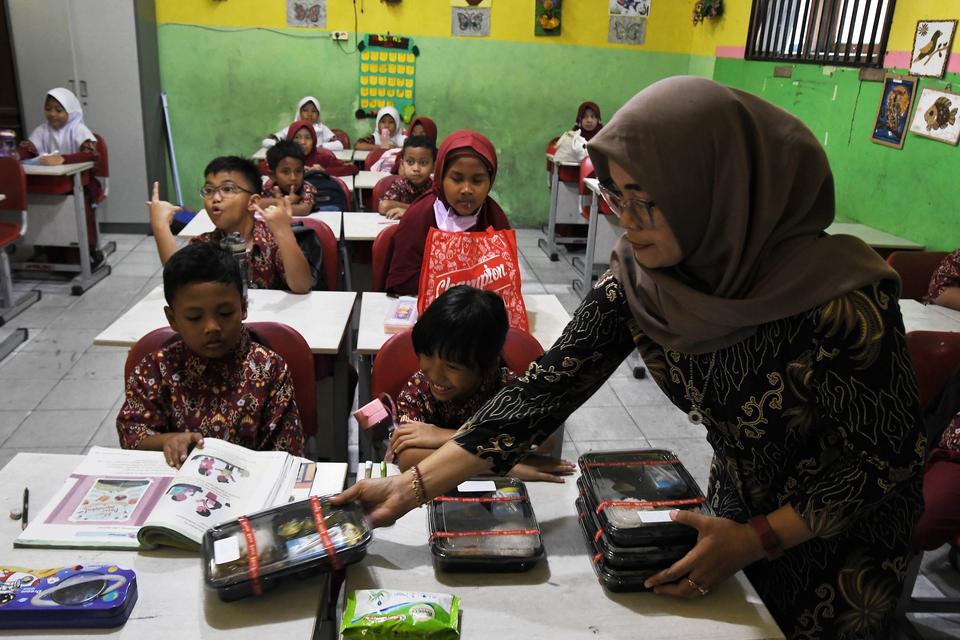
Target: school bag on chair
[(313, 251), (329, 195), (482, 259), (571, 147)]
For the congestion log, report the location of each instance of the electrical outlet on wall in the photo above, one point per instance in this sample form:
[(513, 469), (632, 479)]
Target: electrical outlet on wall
[(340, 35)]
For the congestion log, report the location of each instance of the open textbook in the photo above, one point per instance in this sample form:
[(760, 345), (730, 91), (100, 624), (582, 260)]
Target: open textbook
[(125, 499)]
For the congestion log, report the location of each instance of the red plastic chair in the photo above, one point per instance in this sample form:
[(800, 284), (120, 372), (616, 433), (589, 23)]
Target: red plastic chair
[(381, 188), (342, 136), (101, 169), (13, 184), (331, 253), (346, 190), (372, 157), (277, 337), (915, 269), (382, 253), (399, 360)]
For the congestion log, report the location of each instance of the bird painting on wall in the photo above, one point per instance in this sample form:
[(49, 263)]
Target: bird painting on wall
[(927, 50)]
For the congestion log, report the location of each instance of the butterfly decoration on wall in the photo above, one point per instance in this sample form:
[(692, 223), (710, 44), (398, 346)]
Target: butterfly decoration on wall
[(470, 21), (307, 13), (629, 31)]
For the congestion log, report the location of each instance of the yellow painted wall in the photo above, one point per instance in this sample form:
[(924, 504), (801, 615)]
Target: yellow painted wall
[(731, 29), (585, 22)]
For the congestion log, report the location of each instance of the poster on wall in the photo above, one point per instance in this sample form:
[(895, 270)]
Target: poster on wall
[(468, 21), (936, 116), (893, 113), (630, 8), (307, 13), (627, 30), (546, 18), (931, 47), (388, 66)]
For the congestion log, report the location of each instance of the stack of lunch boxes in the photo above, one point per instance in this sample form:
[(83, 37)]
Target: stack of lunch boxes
[(624, 510), (485, 525), (250, 554)]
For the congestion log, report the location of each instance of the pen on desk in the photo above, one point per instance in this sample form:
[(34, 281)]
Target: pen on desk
[(383, 469), (368, 471), (26, 507)]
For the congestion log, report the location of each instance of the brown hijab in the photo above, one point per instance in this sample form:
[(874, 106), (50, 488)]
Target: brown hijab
[(747, 190)]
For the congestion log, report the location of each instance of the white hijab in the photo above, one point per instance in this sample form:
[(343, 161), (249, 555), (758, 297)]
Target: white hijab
[(398, 137), (69, 137)]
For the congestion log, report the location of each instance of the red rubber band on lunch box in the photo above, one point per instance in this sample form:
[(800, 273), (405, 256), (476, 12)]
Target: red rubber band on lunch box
[(630, 463), (318, 520), (656, 503), (253, 555), (489, 499), (597, 558), (470, 534)]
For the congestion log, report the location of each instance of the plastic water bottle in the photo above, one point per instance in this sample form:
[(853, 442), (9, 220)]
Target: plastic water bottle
[(8, 143), (237, 247)]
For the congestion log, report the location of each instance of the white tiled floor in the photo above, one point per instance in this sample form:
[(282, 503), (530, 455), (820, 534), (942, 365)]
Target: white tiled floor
[(61, 394)]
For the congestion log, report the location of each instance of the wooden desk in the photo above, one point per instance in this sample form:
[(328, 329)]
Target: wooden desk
[(560, 598), (549, 244), (930, 317), (882, 241), (173, 602), (202, 223), (87, 277)]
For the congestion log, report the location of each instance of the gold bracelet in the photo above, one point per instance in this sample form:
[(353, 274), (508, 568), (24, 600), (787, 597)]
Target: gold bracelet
[(419, 493)]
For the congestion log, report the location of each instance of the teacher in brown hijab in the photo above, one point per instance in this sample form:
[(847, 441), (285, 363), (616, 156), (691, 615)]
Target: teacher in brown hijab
[(784, 346)]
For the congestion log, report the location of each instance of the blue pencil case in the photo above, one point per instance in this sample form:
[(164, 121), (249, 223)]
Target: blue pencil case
[(66, 597)]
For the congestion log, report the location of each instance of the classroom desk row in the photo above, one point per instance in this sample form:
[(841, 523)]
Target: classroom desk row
[(560, 598), (343, 155)]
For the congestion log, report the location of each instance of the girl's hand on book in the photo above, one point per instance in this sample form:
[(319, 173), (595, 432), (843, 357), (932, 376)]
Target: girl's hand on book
[(178, 445), (52, 159)]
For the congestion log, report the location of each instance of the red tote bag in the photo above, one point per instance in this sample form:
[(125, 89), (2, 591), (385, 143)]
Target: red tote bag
[(483, 259)]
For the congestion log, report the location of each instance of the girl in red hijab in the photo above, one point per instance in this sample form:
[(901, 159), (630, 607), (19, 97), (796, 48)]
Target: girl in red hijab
[(588, 120), (419, 126), (317, 158), (458, 201)]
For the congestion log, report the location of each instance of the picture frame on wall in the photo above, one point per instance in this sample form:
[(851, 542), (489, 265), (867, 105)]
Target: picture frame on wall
[(893, 112), (931, 47), (936, 116)]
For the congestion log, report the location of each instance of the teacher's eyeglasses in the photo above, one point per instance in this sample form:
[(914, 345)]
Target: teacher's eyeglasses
[(638, 210)]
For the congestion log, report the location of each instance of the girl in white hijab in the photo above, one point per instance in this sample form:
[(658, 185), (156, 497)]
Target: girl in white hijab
[(387, 133), (308, 109), (63, 135)]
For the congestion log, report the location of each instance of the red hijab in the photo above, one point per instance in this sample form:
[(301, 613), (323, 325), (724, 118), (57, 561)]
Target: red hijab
[(319, 155), (429, 127), (580, 111), (403, 277)]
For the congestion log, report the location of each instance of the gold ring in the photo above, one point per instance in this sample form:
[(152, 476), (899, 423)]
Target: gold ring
[(693, 584)]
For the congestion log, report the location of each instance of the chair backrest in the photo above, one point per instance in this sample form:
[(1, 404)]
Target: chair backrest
[(102, 167), (277, 337), (380, 260), (347, 194), (381, 188), (935, 355), (331, 255), (915, 269), (13, 185), (372, 157), (397, 361), (342, 136)]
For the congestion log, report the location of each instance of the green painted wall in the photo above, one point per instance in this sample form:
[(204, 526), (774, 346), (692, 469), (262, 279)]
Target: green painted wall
[(910, 192), (228, 88)]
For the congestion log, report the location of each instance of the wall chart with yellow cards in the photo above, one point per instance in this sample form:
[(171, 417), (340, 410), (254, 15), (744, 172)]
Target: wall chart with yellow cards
[(388, 67)]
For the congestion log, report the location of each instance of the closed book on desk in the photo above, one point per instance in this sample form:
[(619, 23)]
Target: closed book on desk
[(123, 499)]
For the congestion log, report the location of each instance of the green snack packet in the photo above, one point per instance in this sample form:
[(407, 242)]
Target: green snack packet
[(388, 615)]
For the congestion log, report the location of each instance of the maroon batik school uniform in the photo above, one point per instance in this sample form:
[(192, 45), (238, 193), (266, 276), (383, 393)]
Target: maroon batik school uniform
[(266, 267), (245, 398), (417, 404), (307, 192), (404, 191), (947, 275)]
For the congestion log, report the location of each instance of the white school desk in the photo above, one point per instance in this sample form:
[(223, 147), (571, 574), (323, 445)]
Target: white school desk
[(173, 601), (879, 240), (201, 223), (2, 197), (363, 181), (560, 598), (602, 232), (928, 317), (549, 244), (87, 277), (364, 226), (321, 317), (343, 155)]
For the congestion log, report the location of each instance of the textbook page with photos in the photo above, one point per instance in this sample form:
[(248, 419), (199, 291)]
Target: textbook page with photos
[(129, 499)]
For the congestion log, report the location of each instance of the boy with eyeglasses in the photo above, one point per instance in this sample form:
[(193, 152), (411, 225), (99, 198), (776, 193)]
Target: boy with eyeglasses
[(231, 195)]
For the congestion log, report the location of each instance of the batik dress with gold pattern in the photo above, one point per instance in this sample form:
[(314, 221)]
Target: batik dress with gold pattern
[(818, 411)]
